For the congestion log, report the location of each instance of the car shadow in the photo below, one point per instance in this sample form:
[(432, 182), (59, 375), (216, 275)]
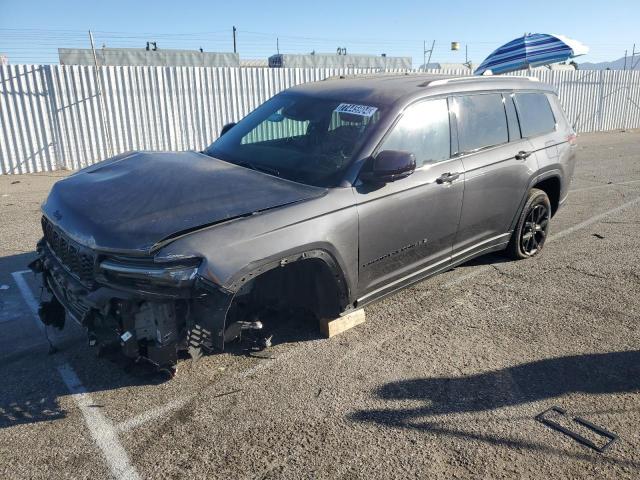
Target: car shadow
[(293, 325), (598, 373), (31, 386), (549, 379)]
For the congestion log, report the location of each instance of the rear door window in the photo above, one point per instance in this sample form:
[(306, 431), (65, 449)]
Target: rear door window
[(534, 113), (482, 121), (422, 130)]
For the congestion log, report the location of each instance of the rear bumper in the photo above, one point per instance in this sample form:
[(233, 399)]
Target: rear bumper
[(142, 324)]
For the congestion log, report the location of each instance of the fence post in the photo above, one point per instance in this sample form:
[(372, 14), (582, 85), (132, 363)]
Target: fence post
[(601, 100), (54, 120), (627, 98)]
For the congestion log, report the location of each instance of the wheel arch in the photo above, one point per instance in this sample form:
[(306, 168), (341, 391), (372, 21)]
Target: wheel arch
[(552, 186), (550, 176), (319, 257)]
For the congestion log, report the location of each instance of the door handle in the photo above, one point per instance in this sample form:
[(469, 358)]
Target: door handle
[(447, 177), (522, 155)]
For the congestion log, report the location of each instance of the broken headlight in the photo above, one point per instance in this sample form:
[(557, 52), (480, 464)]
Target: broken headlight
[(178, 274)]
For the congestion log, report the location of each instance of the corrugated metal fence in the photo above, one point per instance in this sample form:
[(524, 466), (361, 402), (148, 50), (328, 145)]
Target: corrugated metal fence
[(53, 116)]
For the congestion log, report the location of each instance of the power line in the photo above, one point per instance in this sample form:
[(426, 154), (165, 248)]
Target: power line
[(42, 43)]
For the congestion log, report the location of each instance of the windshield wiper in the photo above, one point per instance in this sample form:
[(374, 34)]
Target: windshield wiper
[(260, 168)]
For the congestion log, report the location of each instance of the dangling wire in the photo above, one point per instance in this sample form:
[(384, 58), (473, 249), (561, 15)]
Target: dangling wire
[(52, 347)]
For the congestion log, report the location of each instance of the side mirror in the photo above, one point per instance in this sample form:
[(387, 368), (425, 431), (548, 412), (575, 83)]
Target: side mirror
[(389, 166), (227, 127)]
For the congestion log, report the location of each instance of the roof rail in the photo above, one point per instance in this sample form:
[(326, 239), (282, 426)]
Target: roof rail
[(446, 81), (349, 76)]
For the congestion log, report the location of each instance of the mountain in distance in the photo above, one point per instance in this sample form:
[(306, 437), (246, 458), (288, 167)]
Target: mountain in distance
[(614, 65)]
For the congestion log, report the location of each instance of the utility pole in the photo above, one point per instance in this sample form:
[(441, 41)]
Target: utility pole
[(625, 60), (426, 62), (234, 40), (424, 55), (103, 104)]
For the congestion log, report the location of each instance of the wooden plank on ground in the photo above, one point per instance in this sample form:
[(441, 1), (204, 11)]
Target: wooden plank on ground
[(332, 327)]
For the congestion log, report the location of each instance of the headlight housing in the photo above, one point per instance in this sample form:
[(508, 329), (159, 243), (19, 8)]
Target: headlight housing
[(174, 274)]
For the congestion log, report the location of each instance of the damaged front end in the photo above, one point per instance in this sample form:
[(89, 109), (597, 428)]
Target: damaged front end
[(150, 311)]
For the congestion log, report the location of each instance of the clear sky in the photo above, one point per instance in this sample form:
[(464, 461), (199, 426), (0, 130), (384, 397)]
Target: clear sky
[(31, 30)]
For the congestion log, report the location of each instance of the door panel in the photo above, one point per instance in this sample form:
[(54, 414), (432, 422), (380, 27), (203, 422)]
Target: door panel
[(495, 183), (496, 177), (408, 225)]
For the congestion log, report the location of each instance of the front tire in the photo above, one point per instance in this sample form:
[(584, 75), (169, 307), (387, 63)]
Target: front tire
[(532, 228)]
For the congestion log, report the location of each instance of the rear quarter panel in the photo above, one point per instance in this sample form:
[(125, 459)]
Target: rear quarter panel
[(562, 156)]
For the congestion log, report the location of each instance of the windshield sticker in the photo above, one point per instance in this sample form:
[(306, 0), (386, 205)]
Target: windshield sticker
[(363, 110)]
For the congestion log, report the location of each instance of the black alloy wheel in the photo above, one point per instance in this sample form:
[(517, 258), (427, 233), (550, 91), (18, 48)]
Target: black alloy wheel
[(532, 228), (534, 231)]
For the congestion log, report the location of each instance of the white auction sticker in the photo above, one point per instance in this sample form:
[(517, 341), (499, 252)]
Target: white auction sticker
[(363, 110)]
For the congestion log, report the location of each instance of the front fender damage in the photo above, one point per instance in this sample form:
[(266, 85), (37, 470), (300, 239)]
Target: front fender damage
[(208, 327), (144, 324)]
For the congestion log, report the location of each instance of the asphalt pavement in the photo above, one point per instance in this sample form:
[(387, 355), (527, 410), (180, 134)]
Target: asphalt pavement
[(443, 380)]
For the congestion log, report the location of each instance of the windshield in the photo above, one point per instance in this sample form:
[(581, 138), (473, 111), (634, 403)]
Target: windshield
[(304, 139)]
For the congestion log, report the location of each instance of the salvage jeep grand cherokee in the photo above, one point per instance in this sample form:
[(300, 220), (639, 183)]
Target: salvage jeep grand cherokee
[(328, 196)]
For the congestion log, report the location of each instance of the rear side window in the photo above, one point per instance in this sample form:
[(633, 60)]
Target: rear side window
[(424, 131), (534, 112), (482, 121)]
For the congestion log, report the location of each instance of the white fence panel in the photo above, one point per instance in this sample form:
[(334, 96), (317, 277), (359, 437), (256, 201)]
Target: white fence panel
[(54, 116)]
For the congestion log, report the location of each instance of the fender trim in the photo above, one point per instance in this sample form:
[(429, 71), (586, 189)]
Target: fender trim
[(252, 271), (557, 173)]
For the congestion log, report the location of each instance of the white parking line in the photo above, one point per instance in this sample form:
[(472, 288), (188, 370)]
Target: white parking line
[(153, 414), (563, 233), (592, 220), (28, 297), (606, 185), (101, 429)]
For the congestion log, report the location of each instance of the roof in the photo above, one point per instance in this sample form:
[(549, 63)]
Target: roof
[(448, 66), (142, 57), (332, 60), (389, 89), (254, 62)]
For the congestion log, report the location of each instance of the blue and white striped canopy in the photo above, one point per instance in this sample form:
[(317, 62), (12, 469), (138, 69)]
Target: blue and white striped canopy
[(531, 50)]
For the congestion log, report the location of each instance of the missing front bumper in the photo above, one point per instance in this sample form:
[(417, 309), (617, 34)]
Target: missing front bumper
[(142, 325)]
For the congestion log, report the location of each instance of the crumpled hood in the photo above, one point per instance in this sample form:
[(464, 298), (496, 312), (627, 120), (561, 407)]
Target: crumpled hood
[(135, 200)]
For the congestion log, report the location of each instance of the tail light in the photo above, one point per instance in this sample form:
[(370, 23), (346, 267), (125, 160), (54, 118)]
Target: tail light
[(572, 139)]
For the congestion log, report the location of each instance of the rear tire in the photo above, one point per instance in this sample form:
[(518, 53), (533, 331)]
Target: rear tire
[(532, 228)]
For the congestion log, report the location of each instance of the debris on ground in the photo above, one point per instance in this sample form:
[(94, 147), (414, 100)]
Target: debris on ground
[(558, 419)]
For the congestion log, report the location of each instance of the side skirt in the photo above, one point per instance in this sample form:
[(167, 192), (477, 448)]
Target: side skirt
[(418, 277)]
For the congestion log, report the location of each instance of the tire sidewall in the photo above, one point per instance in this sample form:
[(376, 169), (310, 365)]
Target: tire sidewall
[(536, 197)]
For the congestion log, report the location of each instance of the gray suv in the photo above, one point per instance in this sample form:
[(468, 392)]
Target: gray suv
[(328, 196)]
